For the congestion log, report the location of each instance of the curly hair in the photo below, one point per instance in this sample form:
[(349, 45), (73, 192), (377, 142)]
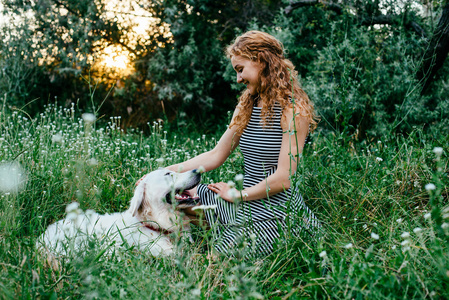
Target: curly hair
[(278, 80)]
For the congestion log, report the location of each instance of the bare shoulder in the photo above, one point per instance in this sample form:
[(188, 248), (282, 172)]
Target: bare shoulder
[(292, 119)]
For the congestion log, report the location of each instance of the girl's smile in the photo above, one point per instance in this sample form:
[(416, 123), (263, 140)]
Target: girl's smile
[(248, 73)]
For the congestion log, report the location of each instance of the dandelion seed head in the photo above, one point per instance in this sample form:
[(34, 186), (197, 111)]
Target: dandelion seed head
[(88, 117), (430, 187), (57, 138), (12, 177)]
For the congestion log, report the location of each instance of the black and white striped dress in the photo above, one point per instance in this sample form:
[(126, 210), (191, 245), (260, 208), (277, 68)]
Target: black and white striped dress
[(259, 222)]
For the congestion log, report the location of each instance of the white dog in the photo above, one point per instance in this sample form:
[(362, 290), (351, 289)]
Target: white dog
[(146, 225)]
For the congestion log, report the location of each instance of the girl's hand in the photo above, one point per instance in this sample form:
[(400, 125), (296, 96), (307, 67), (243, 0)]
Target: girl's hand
[(223, 190)]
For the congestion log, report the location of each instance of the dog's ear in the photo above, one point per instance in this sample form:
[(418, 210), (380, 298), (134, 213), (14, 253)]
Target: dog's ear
[(138, 198)]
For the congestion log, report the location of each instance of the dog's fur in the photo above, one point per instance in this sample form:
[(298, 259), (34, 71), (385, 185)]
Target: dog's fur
[(146, 225)]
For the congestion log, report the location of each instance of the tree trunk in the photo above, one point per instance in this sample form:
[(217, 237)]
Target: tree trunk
[(436, 52)]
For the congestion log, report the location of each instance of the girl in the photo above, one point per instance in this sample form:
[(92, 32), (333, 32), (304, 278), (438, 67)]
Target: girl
[(270, 123)]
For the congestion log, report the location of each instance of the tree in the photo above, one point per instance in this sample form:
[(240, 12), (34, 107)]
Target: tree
[(436, 52)]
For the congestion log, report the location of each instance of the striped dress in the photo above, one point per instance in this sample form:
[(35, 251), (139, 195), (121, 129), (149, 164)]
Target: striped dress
[(259, 223)]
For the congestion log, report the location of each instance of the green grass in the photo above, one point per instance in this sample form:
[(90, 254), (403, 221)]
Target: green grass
[(367, 194)]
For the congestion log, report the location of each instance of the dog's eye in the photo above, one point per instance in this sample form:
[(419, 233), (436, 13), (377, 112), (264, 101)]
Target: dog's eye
[(166, 174)]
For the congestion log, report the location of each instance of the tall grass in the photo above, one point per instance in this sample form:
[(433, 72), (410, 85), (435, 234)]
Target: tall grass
[(385, 235)]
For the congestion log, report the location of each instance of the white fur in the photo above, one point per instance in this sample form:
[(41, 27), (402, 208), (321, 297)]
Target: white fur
[(147, 205)]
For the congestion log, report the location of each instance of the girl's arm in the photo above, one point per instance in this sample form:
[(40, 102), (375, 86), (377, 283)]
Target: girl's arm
[(214, 158), (295, 130)]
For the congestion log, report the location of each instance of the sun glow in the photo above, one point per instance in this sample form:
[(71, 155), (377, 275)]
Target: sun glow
[(117, 59), (139, 28)]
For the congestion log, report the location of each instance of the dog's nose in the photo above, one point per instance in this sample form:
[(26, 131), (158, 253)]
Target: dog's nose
[(195, 171)]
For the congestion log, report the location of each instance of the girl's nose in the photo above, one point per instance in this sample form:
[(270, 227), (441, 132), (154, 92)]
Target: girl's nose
[(239, 78)]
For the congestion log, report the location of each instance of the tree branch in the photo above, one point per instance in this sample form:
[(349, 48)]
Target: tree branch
[(303, 3), (364, 20)]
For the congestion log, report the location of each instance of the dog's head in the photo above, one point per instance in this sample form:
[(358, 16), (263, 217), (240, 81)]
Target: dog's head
[(160, 189)]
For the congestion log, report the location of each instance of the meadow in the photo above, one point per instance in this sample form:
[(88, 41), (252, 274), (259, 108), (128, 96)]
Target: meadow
[(383, 204)]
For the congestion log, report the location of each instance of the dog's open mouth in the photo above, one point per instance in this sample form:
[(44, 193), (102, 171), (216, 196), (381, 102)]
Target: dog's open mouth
[(184, 198)]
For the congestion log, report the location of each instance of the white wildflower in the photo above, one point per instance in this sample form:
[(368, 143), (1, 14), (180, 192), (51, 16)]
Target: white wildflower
[(239, 178), (438, 151), (348, 246), (57, 138), (204, 207), (405, 242), (399, 220), (231, 184), (379, 159), (398, 182), (233, 193), (12, 177), (201, 169), (160, 160), (72, 207), (196, 292), (323, 254), (427, 216), (446, 216), (445, 225), (430, 187), (417, 230), (374, 236), (405, 235), (92, 162), (365, 226), (88, 117), (393, 247)]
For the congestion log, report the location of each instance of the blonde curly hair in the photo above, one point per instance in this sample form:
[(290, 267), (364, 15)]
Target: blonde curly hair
[(278, 80)]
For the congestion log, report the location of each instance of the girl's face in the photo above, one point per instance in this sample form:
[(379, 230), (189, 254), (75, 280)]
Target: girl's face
[(248, 72)]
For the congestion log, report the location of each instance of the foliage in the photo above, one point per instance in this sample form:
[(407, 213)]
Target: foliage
[(362, 77), (385, 234)]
